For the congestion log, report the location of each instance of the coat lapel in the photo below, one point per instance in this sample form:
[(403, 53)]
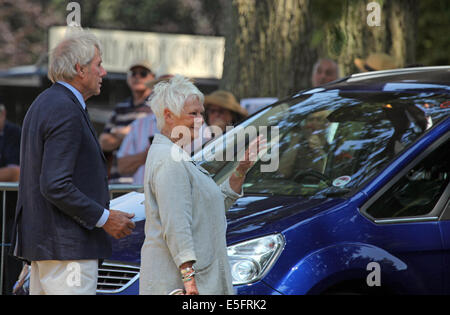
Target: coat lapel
[(86, 117), (94, 133)]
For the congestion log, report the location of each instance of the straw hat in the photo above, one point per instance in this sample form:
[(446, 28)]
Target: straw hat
[(376, 62), (225, 100)]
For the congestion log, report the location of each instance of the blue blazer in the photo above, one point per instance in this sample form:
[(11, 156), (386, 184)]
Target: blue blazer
[(63, 186)]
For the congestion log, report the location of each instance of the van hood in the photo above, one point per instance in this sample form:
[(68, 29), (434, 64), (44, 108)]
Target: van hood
[(253, 216)]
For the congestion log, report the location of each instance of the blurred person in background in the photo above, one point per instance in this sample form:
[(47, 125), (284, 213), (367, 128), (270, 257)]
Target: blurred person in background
[(135, 107), (307, 146), (9, 148), (222, 110), (324, 71), (9, 172), (133, 152)]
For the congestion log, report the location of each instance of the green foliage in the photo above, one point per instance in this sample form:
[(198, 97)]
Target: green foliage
[(25, 23), (339, 39), (145, 15), (326, 11), (326, 17), (433, 26)]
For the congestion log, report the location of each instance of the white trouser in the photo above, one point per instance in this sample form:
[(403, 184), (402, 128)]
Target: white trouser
[(63, 277)]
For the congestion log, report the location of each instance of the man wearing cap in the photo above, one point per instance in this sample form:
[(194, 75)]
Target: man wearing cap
[(136, 106), (376, 62)]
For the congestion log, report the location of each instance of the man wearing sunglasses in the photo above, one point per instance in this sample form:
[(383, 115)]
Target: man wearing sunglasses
[(136, 106)]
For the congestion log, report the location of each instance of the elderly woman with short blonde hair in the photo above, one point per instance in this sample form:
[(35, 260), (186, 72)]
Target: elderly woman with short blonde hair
[(185, 243)]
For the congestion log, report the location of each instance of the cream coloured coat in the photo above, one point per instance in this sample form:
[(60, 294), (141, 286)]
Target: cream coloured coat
[(185, 221)]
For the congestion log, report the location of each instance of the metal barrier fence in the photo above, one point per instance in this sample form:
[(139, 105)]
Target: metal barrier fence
[(115, 191)]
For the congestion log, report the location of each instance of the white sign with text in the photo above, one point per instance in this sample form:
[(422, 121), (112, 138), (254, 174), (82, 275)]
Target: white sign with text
[(189, 55)]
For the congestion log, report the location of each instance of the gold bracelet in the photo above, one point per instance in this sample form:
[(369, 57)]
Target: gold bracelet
[(186, 270), (188, 276)]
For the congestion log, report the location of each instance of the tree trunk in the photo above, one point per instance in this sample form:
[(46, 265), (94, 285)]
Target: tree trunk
[(403, 30), (395, 35), (267, 50)]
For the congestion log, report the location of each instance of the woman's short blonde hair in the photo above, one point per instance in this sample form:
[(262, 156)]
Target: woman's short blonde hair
[(77, 47), (172, 94)]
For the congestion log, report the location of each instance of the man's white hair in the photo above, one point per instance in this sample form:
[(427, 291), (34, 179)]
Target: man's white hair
[(172, 95), (77, 47), (319, 61)]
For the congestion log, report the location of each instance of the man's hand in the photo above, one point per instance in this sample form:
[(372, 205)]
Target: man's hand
[(10, 174), (119, 224), (110, 141), (121, 132)]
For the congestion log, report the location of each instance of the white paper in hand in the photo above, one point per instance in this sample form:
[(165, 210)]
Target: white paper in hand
[(133, 202)]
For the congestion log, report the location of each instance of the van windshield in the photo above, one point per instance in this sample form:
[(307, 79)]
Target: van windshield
[(328, 142)]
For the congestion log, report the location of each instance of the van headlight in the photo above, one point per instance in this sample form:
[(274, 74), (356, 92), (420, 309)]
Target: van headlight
[(251, 260)]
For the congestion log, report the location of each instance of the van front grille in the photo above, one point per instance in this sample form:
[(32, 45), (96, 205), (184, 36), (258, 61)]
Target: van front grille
[(114, 277)]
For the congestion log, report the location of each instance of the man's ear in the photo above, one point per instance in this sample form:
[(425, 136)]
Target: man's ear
[(80, 70)]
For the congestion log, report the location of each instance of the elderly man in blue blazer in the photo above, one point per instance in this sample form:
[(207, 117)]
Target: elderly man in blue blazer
[(62, 217)]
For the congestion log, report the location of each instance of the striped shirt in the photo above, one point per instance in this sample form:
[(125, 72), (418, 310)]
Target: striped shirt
[(137, 141), (124, 114)]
